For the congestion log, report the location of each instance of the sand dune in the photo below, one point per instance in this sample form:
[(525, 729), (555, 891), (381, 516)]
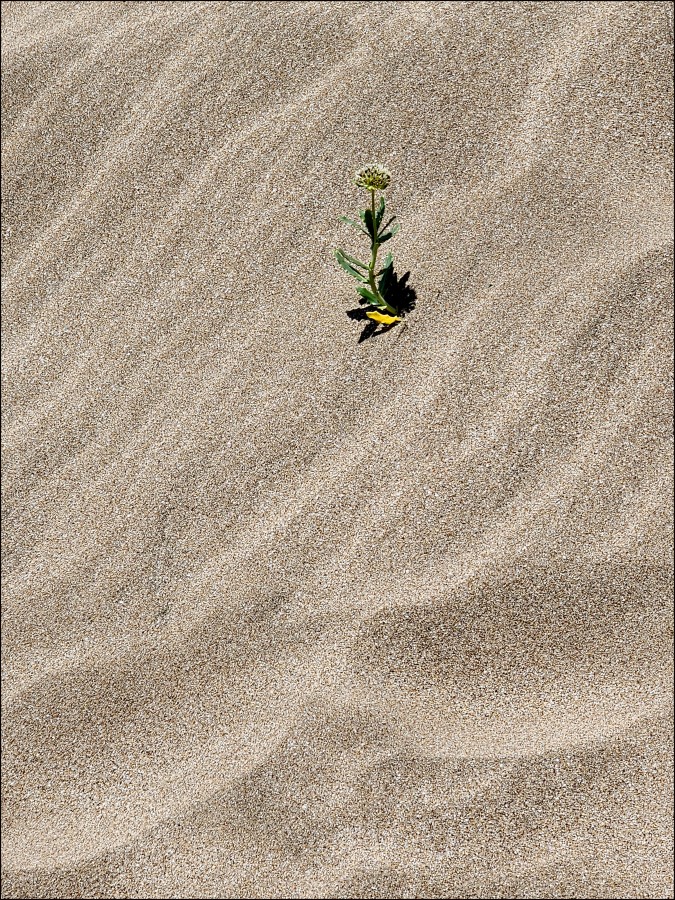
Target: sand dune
[(290, 615)]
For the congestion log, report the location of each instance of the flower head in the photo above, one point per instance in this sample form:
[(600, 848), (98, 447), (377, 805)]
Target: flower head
[(373, 177)]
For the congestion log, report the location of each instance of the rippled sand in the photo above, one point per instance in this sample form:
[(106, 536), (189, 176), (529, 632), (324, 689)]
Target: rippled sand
[(290, 615)]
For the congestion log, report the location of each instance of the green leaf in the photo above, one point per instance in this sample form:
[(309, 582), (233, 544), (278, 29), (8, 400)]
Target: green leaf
[(384, 227), (347, 267), (367, 219), (390, 234), (353, 224), (370, 297), (387, 273), (388, 262), (380, 213), (354, 261)]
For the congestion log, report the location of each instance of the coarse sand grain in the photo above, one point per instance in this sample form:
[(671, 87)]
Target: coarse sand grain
[(287, 614)]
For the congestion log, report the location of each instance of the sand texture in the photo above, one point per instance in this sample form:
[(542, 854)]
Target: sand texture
[(286, 614)]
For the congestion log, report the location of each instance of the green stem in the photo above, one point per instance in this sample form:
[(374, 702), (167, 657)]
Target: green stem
[(373, 260)]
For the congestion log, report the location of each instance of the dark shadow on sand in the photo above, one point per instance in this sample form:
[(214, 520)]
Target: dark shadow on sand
[(400, 295)]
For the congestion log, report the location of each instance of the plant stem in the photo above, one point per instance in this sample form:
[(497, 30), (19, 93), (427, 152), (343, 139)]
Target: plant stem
[(373, 260)]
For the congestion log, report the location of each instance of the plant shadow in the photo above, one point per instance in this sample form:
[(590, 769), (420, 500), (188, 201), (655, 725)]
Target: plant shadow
[(400, 295)]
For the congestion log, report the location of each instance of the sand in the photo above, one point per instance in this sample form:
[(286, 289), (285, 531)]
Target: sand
[(287, 614)]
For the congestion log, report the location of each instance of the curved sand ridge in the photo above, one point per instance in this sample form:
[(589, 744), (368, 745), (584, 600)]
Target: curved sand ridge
[(290, 615)]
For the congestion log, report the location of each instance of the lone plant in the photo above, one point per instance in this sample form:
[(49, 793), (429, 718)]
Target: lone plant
[(373, 284)]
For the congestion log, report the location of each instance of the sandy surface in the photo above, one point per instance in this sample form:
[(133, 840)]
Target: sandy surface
[(290, 615)]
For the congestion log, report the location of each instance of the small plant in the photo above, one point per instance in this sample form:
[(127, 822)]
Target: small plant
[(373, 283)]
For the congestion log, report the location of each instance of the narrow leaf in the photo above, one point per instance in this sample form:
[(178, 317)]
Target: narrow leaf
[(349, 269), (384, 284), (388, 262), (354, 261), (390, 234), (379, 213), (369, 296), (382, 318), (367, 219), (353, 224), (384, 227)]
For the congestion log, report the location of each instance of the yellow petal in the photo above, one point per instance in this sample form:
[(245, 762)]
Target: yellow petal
[(384, 319)]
